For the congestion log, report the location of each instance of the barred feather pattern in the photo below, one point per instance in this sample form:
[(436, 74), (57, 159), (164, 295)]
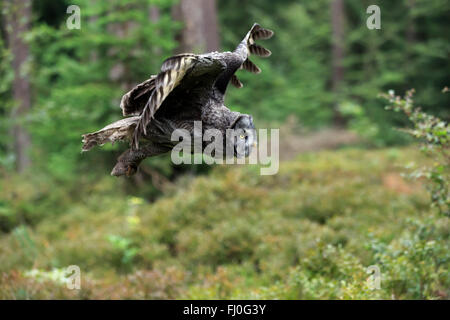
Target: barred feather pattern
[(250, 66), (118, 131), (236, 82), (129, 103), (256, 33), (259, 50), (172, 72)]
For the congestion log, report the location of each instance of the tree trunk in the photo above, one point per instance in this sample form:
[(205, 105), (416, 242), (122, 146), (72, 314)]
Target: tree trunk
[(154, 13), (210, 25), (200, 27), (18, 16), (337, 53), (410, 29)]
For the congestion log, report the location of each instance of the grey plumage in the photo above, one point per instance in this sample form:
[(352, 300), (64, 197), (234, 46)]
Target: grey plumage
[(188, 88)]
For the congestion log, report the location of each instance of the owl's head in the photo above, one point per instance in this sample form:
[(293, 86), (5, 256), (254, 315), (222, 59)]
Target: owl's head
[(245, 136)]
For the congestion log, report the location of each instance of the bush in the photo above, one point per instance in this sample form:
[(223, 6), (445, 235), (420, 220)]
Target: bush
[(434, 136), (309, 232)]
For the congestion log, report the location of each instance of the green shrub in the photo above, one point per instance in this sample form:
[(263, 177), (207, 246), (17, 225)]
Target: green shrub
[(309, 232), (434, 135)]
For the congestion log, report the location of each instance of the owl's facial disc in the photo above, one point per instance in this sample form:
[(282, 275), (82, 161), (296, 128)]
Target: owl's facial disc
[(245, 133)]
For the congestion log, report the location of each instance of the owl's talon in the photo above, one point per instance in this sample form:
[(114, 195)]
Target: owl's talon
[(129, 171)]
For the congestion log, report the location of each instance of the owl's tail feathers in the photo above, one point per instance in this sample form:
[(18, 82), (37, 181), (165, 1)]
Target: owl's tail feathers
[(121, 130)]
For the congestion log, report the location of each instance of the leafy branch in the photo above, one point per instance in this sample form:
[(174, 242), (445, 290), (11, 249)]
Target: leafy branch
[(434, 136)]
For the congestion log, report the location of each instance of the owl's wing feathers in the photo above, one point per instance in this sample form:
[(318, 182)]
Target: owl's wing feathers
[(156, 89), (248, 47), (147, 97), (121, 130), (133, 102), (172, 72)]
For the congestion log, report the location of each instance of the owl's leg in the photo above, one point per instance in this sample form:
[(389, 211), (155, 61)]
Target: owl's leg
[(129, 161)]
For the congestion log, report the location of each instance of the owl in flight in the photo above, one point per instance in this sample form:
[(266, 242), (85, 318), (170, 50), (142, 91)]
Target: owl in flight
[(189, 88)]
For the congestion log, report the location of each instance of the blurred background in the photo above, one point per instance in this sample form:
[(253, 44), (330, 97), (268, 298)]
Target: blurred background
[(339, 204)]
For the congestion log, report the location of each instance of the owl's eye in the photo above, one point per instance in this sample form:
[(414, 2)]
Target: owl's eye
[(242, 136)]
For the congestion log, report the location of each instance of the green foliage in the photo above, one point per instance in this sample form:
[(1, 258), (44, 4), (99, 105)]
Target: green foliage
[(309, 232), (297, 79), (411, 40), (81, 75), (434, 134), (6, 78), (78, 76), (124, 248), (359, 121), (294, 79)]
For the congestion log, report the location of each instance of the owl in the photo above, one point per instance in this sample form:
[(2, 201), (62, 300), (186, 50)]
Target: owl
[(189, 89)]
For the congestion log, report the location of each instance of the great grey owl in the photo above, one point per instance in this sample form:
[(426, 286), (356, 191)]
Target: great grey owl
[(189, 88)]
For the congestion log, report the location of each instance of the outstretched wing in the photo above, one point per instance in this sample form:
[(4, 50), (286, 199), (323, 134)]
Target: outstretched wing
[(134, 101), (118, 131), (219, 68), (248, 47), (172, 72)]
